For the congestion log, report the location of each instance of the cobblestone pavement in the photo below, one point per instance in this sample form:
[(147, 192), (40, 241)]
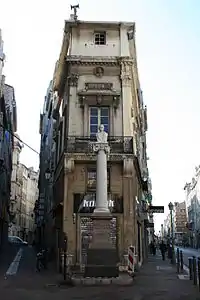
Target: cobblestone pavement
[(157, 280)]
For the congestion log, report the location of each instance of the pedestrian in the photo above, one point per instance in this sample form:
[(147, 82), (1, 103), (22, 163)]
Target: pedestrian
[(163, 249), (151, 247), (154, 248)]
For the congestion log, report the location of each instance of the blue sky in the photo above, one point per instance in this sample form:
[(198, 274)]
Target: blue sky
[(168, 49)]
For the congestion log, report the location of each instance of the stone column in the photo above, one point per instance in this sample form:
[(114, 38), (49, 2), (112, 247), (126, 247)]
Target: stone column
[(102, 255), (102, 149)]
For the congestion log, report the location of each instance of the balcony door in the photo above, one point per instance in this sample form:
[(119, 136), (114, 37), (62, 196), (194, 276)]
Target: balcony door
[(98, 116)]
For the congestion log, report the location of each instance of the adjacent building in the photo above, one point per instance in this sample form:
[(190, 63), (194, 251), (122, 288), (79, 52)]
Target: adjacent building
[(46, 229), (24, 193), (192, 194), (8, 125), (180, 221), (95, 82)]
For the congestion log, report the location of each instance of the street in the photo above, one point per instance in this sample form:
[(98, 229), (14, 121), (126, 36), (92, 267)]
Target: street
[(188, 252), (28, 284)]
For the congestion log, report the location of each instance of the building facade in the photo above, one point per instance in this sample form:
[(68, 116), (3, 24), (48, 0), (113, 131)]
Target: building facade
[(180, 221), (24, 193), (192, 194), (46, 232), (8, 126), (96, 82)]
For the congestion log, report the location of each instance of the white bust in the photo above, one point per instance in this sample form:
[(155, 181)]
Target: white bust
[(102, 136)]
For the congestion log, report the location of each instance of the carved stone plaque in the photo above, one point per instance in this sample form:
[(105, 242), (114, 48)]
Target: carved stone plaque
[(98, 86)]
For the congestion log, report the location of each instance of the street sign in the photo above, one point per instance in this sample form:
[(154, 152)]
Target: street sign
[(156, 209), (149, 225)]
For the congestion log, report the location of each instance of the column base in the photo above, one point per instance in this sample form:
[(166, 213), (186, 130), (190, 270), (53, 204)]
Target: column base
[(102, 256), (101, 212)]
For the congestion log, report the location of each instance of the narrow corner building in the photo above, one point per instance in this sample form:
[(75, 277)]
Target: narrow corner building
[(96, 82)]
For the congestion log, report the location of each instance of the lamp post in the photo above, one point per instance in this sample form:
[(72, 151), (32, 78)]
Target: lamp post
[(171, 207)]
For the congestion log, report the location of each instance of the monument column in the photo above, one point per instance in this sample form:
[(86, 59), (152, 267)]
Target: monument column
[(102, 256), (102, 149)]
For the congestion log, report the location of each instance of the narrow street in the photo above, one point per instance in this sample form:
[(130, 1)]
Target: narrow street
[(155, 280)]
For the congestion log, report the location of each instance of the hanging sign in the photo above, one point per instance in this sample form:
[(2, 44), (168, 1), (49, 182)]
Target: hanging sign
[(156, 209)]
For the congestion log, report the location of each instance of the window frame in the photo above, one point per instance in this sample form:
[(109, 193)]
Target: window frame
[(99, 119), (92, 169), (99, 33)]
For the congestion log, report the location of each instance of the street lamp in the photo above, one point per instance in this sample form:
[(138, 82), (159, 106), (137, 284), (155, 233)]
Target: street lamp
[(47, 174), (171, 207)]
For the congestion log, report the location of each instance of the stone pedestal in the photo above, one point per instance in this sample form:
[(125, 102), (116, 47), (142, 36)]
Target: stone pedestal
[(102, 256)]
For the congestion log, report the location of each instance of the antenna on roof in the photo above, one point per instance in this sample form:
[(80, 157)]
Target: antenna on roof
[(75, 7)]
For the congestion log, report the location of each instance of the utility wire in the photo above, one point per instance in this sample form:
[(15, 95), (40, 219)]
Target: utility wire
[(19, 139)]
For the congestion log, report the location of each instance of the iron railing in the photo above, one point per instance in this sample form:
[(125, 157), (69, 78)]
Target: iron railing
[(81, 144)]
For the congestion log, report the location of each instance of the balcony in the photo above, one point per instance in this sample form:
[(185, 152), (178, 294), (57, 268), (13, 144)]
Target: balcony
[(81, 144)]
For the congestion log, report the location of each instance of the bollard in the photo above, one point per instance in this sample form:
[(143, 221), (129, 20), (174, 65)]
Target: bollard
[(178, 260), (198, 265), (65, 259), (190, 267), (194, 270), (181, 260)]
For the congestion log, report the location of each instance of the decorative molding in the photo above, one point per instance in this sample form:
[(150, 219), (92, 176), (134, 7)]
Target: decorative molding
[(93, 157), (68, 165), (92, 60), (125, 72), (128, 167), (73, 79)]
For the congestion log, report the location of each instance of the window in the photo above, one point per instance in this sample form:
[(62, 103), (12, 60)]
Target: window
[(100, 38), (91, 179), (98, 116)]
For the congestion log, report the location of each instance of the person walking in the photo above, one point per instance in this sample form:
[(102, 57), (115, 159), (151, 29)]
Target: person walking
[(163, 249)]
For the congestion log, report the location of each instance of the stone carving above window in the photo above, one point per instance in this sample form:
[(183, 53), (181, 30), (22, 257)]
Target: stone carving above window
[(99, 72)]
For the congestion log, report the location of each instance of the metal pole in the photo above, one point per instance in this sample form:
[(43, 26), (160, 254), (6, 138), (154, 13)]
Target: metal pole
[(198, 265), (172, 236), (181, 260), (65, 259), (178, 260), (190, 267), (194, 270)]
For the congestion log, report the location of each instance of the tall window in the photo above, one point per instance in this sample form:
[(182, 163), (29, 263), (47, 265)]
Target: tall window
[(98, 116)]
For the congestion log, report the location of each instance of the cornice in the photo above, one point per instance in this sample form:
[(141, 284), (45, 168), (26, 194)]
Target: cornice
[(92, 60)]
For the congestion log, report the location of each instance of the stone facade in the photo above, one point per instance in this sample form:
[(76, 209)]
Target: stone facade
[(8, 125), (24, 193), (96, 81)]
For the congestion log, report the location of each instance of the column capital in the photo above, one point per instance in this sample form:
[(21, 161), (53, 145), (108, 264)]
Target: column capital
[(101, 146)]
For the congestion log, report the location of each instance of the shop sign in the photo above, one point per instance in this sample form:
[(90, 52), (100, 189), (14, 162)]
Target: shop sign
[(87, 203)]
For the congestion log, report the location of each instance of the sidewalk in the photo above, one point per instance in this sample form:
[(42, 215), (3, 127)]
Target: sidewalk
[(157, 279)]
